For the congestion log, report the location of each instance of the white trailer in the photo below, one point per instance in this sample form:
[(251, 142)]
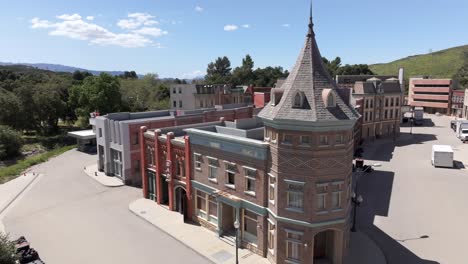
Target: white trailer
[(442, 156)]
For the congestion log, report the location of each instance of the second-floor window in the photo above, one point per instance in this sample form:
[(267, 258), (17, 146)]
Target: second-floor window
[(198, 159), (213, 169), (287, 139), (271, 188), (250, 179), (323, 140), (295, 195)]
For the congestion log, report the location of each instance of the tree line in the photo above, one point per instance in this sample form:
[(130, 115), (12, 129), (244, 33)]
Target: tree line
[(221, 72)]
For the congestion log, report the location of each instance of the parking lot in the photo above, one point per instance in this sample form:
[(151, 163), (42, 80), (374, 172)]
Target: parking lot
[(416, 213)]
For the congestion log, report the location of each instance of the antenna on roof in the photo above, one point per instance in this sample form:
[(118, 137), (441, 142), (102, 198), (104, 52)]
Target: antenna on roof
[(311, 23)]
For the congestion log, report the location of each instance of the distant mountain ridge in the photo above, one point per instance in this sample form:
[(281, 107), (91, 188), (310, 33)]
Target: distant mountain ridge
[(60, 68), (438, 64)]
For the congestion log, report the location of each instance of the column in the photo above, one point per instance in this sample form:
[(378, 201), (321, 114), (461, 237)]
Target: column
[(170, 170), (158, 164), (220, 218), (188, 177), (144, 176)]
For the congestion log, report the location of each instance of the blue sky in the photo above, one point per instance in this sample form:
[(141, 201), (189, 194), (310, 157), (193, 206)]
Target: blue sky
[(178, 38)]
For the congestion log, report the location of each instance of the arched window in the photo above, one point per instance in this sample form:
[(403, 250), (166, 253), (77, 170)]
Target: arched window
[(298, 100)]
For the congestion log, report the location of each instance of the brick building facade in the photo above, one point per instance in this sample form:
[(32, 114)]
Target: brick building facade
[(285, 175)]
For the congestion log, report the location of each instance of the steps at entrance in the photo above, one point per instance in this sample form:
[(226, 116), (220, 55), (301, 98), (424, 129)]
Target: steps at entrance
[(229, 238)]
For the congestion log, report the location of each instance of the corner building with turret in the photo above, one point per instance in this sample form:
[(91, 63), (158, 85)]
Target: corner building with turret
[(283, 175)]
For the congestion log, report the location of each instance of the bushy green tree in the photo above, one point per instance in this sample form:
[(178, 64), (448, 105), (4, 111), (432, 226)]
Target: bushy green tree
[(7, 250), (10, 143), (219, 71), (268, 76), (334, 67), (244, 74)]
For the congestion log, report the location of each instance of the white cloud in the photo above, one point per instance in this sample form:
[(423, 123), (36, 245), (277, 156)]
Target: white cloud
[(199, 9), (230, 27), (69, 17), (90, 18), (192, 75), (74, 27), (136, 20), (246, 26), (151, 31), (286, 25)]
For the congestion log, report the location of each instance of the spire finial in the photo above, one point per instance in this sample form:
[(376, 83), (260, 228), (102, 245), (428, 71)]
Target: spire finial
[(311, 23)]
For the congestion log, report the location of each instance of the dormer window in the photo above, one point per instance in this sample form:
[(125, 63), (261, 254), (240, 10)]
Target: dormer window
[(329, 98), (298, 100)]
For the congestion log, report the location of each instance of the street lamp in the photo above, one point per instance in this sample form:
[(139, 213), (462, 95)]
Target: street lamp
[(357, 202), (236, 226)]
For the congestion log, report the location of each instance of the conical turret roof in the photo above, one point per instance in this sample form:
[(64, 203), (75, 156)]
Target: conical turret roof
[(313, 83)]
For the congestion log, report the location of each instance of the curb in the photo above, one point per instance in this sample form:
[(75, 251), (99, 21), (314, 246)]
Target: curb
[(19, 193), (106, 185), (169, 234)]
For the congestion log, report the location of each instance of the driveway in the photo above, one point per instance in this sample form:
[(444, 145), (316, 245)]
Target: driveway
[(416, 213), (70, 218)]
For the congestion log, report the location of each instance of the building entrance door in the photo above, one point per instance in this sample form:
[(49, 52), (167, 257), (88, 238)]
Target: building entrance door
[(164, 191), (181, 202), (151, 185)]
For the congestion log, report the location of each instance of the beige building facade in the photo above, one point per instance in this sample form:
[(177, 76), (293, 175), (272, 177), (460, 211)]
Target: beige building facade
[(381, 107)]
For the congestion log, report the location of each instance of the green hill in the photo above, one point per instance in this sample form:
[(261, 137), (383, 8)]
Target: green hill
[(440, 64)]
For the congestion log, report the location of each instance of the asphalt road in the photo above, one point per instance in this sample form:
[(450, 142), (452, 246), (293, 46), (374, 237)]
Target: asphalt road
[(70, 218)]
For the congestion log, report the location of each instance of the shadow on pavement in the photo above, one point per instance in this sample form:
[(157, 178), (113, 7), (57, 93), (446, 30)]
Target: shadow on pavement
[(382, 149), (376, 188)]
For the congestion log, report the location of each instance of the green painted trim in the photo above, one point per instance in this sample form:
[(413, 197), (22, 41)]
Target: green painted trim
[(314, 126), (306, 224)]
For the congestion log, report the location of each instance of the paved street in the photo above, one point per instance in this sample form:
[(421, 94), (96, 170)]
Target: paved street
[(70, 218), (407, 198)]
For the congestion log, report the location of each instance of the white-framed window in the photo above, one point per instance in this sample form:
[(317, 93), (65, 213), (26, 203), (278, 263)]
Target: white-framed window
[(250, 226), (271, 236), (180, 103), (180, 90), (250, 180), (323, 140), (201, 204), (287, 139), (294, 245), (338, 139), (100, 132), (273, 136), (271, 187), (295, 195), (305, 140), (212, 210), (321, 202), (391, 113), (336, 200), (213, 169), (206, 207), (174, 104), (231, 169), (198, 159)]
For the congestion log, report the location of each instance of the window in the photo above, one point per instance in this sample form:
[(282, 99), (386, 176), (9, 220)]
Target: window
[(305, 140), (330, 100), (213, 172), (385, 114), (391, 101), (250, 227), (365, 117), (336, 200), (391, 113), (294, 245), (198, 159), (230, 174), (386, 102), (397, 101), (174, 104), (273, 136), (297, 101), (250, 178), (212, 210), (323, 140), (338, 139), (371, 103), (174, 90), (271, 236), (271, 188), (321, 202), (201, 204), (180, 103), (180, 90), (287, 139), (396, 114), (136, 136), (367, 104), (100, 132), (295, 195), (370, 117)]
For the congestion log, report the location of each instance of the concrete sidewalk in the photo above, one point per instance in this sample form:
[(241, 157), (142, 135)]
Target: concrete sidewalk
[(363, 250), (11, 190), (101, 177)]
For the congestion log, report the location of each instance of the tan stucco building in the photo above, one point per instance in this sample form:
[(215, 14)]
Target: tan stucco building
[(381, 107)]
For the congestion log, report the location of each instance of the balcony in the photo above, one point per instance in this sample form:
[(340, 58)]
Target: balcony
[(431, 97)]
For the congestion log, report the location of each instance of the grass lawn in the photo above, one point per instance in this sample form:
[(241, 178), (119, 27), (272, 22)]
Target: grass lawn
[(13, 171)]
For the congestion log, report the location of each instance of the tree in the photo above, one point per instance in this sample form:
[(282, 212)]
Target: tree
[(7, 250), (10, 145), (244, 74), (332, 66), (129, 75), (81, 75), (9, 108), (218, 72), (97, 93), (462, 74), (268, 76)]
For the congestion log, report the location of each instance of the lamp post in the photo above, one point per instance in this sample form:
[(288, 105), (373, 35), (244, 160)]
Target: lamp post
[(357, 202), (237, 225)]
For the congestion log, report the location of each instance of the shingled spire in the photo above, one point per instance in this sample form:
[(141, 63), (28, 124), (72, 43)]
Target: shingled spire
[(309, 91)]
